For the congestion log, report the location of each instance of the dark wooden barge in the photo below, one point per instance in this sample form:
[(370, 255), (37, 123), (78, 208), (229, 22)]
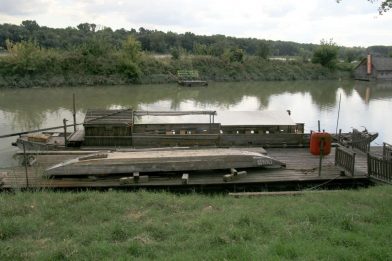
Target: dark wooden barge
[(124, 128)]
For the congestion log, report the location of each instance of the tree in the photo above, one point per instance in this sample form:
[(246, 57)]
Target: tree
[(175, 53), (131, 48), (30, 25), (349, 55), (235, 55), (326, 54), (86, 27), (263, 50), (131, 52), (384, 7)]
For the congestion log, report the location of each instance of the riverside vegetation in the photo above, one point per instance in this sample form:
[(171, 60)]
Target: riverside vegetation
[(40, 56), (90, 225)]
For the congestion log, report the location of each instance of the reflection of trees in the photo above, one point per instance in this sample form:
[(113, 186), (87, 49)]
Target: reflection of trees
[(31, 105)]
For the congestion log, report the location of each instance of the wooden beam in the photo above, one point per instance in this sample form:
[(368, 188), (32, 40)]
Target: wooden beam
[(277, 193)]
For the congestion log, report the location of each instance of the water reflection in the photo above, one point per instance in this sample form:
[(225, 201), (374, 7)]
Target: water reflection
[(374, 90), (362, 103), (36, 102)]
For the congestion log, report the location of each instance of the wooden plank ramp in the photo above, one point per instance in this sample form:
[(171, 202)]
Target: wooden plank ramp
[(302, 167)]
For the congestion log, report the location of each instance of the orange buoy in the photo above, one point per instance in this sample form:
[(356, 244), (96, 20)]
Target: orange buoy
[(318, 140)]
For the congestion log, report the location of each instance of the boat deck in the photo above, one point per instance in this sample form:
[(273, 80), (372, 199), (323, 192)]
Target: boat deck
[(301, 170)]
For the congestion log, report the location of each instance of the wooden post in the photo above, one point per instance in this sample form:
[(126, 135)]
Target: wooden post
[(74, 111), (65, 132), (337, 120), (25, 164), (185, 178), (353, 164), (321, 154), (340, 136)]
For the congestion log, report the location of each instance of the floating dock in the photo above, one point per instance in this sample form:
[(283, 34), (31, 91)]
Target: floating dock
[(302, 170)]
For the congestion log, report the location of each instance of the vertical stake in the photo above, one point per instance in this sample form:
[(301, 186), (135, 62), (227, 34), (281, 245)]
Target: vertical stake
[(74, 111), (25, 164), (321, 155), (65, 132), (337, 121), (318, 123)]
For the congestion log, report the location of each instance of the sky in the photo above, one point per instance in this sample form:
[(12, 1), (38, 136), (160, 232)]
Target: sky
[(348, 23)]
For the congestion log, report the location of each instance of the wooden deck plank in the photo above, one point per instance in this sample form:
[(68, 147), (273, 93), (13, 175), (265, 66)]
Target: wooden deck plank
[(301, 166)]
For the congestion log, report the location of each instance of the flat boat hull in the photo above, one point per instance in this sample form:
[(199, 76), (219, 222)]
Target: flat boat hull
[(162, 161)]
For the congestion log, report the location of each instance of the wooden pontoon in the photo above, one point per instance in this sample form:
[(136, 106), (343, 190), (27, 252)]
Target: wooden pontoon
[(190, 78), (192, 83), (302, 170)]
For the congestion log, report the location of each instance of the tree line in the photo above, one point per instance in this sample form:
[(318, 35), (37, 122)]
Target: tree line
[(159, 42)]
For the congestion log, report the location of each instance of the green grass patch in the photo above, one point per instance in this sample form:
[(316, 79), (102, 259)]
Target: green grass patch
[(160, 225)]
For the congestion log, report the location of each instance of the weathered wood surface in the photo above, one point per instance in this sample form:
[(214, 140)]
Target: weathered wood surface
[(380, 168), (387, 151), (163, 161), (112, 117), (345, 159), (278, 193), (302, 167)]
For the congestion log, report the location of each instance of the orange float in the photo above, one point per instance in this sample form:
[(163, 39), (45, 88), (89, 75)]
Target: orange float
[(318, 138)]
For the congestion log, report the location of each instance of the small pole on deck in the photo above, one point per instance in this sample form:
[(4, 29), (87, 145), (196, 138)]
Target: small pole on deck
[(25, 164), (318, 123), (65, 132), (337, 121), (74, 111), (321, 154), (340, 136)]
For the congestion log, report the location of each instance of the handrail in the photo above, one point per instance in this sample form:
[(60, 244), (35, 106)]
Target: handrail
[(38, 130), (345, 159)]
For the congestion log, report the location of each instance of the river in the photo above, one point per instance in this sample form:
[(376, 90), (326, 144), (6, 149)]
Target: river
[(362, 104)]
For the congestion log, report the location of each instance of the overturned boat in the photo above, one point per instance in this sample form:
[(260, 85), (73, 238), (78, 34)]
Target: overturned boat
[(162, 161)]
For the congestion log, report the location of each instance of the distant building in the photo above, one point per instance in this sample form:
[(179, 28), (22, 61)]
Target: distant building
[(374, 68)]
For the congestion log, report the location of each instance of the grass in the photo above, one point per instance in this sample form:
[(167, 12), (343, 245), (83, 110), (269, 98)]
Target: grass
[(159, 225)]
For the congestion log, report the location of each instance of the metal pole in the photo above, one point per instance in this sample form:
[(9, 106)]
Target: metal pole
[(337, 121), (74, 111), (25, 164), (318, 123)]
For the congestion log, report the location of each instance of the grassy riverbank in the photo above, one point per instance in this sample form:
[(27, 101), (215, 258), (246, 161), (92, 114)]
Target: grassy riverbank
[(147, 225), (153, 70), (26, 64)]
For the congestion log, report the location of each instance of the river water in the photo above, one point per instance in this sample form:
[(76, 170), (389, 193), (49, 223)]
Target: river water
[(362, 104)]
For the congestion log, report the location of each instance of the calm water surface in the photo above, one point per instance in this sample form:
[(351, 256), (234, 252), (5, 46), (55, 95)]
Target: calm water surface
[(362, 104)]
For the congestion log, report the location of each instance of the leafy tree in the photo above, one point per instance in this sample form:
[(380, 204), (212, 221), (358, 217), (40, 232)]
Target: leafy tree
[(349, 55), (175, 53), (130, 58), (86, 27), (263, 50), (235, 55), (30, 25), (384, 7), (132, 49), (326, 54)]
